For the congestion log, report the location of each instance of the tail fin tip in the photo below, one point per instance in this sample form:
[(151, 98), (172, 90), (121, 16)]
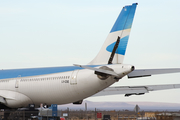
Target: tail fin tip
[(121, 28)]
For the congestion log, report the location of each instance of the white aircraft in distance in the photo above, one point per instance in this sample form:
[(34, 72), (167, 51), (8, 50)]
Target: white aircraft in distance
[(72, 84)]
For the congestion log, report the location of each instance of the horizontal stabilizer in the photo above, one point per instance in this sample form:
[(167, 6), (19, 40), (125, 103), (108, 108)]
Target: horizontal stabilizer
[(135, 90), (149, 72), (98, 70)]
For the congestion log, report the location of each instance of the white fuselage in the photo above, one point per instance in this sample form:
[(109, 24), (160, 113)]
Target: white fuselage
[(57, 88)]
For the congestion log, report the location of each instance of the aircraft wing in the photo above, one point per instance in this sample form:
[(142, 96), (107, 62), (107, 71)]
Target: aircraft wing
[(149, 72), (134, 90)]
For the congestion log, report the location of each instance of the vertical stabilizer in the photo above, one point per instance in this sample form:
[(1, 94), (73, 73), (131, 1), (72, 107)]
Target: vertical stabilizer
[(121, 28)]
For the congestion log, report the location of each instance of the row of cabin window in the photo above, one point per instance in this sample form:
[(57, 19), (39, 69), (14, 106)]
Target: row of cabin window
[(4, 80), (52, 78)]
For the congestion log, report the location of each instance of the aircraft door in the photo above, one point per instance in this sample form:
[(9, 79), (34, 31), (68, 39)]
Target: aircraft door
[(17, 83), (73, 79)]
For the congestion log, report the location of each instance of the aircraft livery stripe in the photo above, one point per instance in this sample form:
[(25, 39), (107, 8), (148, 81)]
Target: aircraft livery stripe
[(14, 73), (125, 18)]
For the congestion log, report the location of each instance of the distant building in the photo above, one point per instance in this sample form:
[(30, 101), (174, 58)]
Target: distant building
[(168, 116)]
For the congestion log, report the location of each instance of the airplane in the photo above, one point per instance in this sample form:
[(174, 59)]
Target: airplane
[(72, 84)]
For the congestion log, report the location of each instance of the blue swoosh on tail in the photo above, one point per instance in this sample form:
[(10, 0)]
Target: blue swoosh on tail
[(125, 18), (122, 46)]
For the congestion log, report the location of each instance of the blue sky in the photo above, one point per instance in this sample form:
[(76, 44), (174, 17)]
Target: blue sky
[(47, 33)]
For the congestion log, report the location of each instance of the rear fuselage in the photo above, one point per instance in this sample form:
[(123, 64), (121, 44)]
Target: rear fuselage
[(55, 88)]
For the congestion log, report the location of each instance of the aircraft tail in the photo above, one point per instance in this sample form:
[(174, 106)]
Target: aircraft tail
[(113, 51)]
